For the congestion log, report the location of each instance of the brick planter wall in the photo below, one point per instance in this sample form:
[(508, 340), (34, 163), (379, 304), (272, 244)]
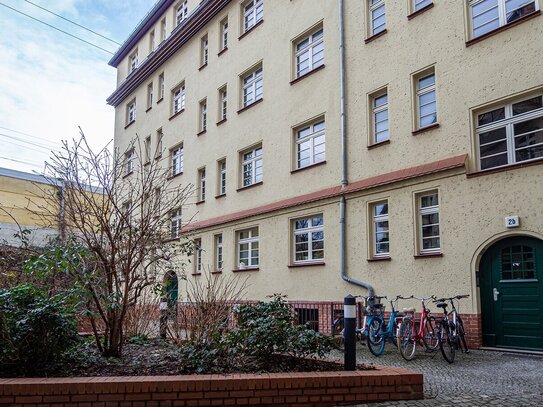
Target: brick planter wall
[(279, 389)]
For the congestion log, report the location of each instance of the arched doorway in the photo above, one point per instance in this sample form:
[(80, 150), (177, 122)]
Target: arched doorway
[(171, 289), (511, 284)]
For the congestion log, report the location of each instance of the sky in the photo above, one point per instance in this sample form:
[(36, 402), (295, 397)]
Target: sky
[(51, 83)]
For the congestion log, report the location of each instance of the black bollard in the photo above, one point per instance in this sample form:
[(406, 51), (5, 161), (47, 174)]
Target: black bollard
[(349, 331)]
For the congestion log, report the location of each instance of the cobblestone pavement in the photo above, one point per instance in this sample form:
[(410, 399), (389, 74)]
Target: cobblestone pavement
[(480, 378)]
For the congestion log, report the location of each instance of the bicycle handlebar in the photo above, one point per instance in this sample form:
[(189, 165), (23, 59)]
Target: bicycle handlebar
[(457, 297)]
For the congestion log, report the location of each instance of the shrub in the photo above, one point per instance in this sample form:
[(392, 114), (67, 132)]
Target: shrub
[(35, 330)]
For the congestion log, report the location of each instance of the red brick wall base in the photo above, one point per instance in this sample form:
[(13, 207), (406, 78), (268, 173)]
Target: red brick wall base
[(284, 389)]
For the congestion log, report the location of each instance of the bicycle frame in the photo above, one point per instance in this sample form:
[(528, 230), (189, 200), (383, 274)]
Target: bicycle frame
[(425, 313)]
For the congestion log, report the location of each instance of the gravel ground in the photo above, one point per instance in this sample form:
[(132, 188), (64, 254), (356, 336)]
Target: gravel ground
[(480, 378)]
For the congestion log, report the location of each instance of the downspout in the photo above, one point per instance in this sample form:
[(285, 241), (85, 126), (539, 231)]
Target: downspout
[(344, 181), (62, 210)]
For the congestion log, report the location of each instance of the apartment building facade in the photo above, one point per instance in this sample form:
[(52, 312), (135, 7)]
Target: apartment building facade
[(352, 146)]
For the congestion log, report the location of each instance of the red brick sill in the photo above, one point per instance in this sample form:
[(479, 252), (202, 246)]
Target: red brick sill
[(246, 270), (217, 272), (196, 274), (427, 255), (147, 163), (476, 174), (149, 108), (305, 75), (202, 67), (220, 196), (221, 122), (419, 12), (377, 259), (222, 51), (176, 114), (308, 264), (129, 124), (251, 29), (128, 174), (250, 186), (159, 100), (172, 239), (201, 133), (200, 202), (251, 105), (375, 36), (379, 144), (174, 176), (425, 129), (503, 28), (308, 167)]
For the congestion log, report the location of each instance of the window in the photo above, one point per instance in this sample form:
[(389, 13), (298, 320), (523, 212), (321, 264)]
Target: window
[(248, 252), (310, 144), (309, 239), (181, 12), (131, 112), (133, 62), (224, 34), (156, 201), (161, 86), (152, 41), (253, 12), (223, 102), (417, 5), (130, 160), (202, 184), (488, 15), (177, 160), (426, 99), (203, 116), (147, 147), (309, 53), (175, 224), (428, 208), (251, 167), (379, 228), (198, 256), (127, 212), (150, 95), (511, 133), (376, 16), (204, 51), (252, 87), (222, 177), (218, 253), (159, 140), (379, 117), (163, 31), (178, 98)]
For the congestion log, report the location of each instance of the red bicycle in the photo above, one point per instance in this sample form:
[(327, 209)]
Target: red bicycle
[(409, 336)]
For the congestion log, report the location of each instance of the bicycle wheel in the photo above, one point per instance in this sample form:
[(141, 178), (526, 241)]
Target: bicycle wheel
[(461, 333), (446, 343), (430, 338), (375, 340), (406, 343)]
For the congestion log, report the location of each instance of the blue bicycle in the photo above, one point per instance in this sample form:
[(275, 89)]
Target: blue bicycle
[(378, 332)]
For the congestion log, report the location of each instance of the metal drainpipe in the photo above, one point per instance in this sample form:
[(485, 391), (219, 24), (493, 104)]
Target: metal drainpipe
[(62, 210), (344, 182)]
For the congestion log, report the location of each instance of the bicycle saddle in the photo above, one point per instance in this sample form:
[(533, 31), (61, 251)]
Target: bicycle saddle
[(410, 309), (377, 305), (441, 305)]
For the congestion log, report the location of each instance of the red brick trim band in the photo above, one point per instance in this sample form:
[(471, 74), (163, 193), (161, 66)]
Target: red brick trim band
[(364, 184), (282, 389)]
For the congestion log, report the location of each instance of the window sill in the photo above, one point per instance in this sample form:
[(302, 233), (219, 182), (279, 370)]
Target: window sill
[(505, 168), (305, 75), (128, 174), (176, 114), (502, 28), (159, 100), (129, 124), (428, 255), (221, 122), (250, 29), (158, 157), (202, 67), (200, 202), (308, 167), (425, 129), (220, 196), (217, 272), (196, 274), (246, 269), (149, 108), (256, 184), (375, 36), (174, 176), (376, 259), (222, 51), (419, 12), (249, 106), (201, 133), (147, 163), (308, 264), (172, 239), (379, 144)]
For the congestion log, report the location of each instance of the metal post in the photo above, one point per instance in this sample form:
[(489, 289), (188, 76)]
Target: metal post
[(349, 332), (163, 317)]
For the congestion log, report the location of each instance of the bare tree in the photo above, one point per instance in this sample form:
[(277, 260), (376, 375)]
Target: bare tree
[(118, 208)]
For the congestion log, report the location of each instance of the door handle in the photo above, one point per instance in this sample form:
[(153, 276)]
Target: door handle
[(495, 292)]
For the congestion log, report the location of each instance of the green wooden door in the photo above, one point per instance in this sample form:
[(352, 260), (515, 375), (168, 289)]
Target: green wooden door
[(511, 283)]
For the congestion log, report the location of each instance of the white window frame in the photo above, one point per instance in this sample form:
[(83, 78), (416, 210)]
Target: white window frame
[(375, 112), (205, 50), (253, 13), (223, 100), (224, 34), (252, 87), (420, 93), (175, 224), (203, 115), (152, 43), (133, 62), (250, 242), (181, 12), (178, 99), (219, 254), (308, 231), (159, 143), (130, 157), (150, 95), (147, 146), (161, 86), (311, 137), (502, 14), (202, 184), (376, 219), (163, 30), (373, 6), (177, 154), (222, 177), (309, 50), (508, 122), (250, 165), (198, 256), (131, 112), (417, 5), (428, 210)]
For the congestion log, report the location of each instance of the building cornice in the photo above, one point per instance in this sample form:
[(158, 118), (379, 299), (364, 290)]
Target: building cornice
[(179, 37), (357, 186)]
